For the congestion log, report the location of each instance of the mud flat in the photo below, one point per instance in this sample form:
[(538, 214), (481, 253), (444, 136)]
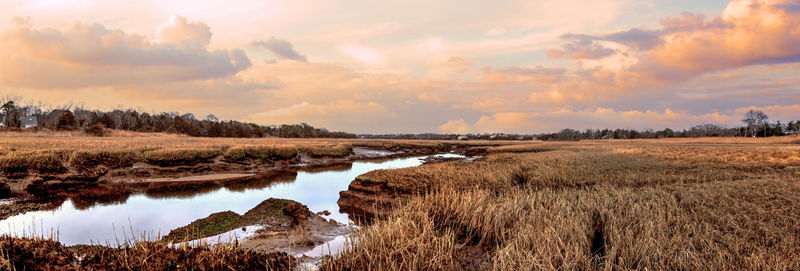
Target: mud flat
[(367, 198), (281, 226)]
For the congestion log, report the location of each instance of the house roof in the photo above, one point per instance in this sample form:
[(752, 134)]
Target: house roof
[(27, 121)]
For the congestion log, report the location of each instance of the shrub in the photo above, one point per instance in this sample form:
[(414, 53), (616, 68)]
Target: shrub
[(328, 150), (260, 152), (96, 129), (172, 157), (40, 161), (111, 159)]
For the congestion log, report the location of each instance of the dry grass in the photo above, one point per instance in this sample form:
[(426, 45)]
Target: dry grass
[(592, 206), (45, 254)]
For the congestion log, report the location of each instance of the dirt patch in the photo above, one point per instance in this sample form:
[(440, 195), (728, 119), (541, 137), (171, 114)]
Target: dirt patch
[(284, 224), (297, 240), (598, 248), (214, 224)]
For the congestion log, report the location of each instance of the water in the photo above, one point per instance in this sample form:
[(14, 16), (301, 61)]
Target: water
[(154, 214)]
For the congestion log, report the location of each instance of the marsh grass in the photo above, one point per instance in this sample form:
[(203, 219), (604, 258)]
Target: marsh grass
[(39, 253), (181, 156), (261, 152), (50, 161), (591, 206)]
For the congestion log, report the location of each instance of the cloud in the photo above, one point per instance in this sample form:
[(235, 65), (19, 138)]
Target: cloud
[(755, 32), (635, 38), (281, 49), (747, 33), (690, 22), (583, 48), (343, 114), (363, 54), (78, 55), (625, 73), (497, 31), (180, 32), (595, 118), (455, 127)]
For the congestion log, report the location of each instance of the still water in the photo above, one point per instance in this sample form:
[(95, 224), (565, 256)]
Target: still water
[(158, 214)]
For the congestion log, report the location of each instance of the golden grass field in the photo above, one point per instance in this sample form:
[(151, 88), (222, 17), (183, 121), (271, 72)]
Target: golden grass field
[(667, 204), (688, 204)]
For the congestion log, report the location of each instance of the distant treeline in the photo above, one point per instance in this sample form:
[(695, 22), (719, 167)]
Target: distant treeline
[(706, 130), (432, 136), (95, 122)]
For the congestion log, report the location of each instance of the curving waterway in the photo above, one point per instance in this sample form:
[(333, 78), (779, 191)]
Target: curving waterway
[(152, 215)]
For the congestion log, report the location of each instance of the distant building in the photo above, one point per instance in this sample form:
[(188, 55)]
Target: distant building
[(28, 122), (463, 137)]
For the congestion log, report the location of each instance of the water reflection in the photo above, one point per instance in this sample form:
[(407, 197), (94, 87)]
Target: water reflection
[(157, 212), (99, 195), (261, 183)]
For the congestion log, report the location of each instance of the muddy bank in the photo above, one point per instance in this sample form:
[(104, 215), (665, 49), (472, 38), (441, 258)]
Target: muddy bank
[(281, 226), (14, 206), (366, 199)]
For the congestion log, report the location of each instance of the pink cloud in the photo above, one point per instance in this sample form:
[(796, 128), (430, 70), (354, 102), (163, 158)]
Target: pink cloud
[(753, 33), (597, 118), (78, 54), (343, 114)]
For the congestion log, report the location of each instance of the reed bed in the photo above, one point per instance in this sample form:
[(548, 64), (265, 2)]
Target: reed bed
[(589, 206), (44, 253)]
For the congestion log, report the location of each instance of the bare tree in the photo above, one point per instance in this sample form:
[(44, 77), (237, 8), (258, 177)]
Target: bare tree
[(754, 119)]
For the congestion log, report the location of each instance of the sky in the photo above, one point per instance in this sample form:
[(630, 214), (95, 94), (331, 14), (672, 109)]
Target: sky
[(450, 66)]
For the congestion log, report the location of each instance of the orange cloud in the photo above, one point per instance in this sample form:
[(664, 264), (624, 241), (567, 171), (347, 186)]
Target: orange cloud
[(599, 117), (79, 55), (749, 32), (455, 127), (343, 114)]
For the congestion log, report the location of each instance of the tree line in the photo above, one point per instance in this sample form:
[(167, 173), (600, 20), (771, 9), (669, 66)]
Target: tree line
[(97, 122), (756, 124)]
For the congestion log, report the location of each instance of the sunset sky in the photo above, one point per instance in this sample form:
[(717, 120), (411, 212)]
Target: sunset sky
[(412, 66)]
